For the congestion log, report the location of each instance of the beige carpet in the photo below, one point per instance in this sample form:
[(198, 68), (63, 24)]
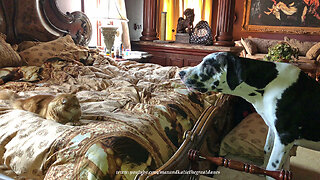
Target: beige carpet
[(306, 165)]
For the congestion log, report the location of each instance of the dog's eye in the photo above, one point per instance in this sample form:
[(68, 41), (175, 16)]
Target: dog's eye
[(209, 70), (212, 65), (204, 77)]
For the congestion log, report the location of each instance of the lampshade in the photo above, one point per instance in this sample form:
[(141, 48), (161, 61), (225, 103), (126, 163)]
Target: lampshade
[(110, 10), (110, 13)]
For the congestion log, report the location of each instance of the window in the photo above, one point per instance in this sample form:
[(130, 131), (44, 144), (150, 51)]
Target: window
[(100, 14)]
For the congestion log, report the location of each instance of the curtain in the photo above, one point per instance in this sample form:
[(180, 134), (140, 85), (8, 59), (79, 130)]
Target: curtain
[(125, 27), (175, 9), (96, 11)]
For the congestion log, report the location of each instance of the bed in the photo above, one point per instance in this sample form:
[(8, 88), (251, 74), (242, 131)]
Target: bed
[(135, 117), (131, 112)]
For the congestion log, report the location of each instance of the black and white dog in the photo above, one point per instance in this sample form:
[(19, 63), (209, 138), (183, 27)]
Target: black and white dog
[(286, 98)]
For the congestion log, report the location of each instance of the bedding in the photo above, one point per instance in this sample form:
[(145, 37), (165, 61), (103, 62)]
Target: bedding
[(9, 57), (133, 118)]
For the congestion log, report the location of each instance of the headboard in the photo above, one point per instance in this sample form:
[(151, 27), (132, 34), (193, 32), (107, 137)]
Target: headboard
[(41, 20)]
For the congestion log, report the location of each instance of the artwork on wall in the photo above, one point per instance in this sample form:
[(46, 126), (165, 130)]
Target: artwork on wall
[(282, 16)]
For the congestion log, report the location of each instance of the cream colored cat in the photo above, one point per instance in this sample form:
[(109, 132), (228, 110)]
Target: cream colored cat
[(62, 108)]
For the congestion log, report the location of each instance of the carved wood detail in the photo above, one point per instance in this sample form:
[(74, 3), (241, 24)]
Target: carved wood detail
[(41, 20), (194, 155), (76, 23)]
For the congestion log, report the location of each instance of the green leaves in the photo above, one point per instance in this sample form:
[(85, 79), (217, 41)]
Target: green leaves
[(282, 52)]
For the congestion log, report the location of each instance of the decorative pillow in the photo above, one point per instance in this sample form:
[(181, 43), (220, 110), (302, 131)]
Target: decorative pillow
[(249, 46), (302, 46), (247, 139), (23, 73), (26, 45), (263, 44), (243, 53), (37, 55), (314, 51), (26, 140), (8, 56), (238, 43)]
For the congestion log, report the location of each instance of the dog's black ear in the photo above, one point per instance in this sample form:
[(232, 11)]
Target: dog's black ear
[(258, 73), (234, 71)]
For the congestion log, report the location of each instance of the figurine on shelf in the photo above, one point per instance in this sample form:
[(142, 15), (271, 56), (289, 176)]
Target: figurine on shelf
[(186, 25)]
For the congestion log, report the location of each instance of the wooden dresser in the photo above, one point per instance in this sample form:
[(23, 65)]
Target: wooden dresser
[(177, 54)]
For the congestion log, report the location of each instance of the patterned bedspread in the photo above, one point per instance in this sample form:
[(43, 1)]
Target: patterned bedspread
[(134, 116)]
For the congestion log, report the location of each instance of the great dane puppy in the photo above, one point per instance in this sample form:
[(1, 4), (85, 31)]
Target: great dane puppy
[(286, 98)]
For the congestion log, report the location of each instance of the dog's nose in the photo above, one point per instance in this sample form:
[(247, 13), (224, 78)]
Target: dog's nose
[(181, 74)]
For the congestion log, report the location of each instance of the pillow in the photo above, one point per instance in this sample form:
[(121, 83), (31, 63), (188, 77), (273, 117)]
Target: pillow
[(247, 139), (8, 56), (238, 43), (26, 140), (314, 51), (249, 46), (263, 44), (302, 46), (38, 54), (26, 45)]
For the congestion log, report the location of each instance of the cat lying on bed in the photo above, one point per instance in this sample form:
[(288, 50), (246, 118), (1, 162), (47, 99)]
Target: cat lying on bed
[(62, 108)]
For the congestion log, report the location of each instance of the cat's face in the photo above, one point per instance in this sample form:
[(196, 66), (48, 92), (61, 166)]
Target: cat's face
[(68, 100), (66, 108)]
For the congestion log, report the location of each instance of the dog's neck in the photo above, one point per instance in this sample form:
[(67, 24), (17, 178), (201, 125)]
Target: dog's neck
[(264, 99), (287, 74), (249, 93)]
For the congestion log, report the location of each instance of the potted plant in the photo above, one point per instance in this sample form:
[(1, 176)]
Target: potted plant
[(282, 52)]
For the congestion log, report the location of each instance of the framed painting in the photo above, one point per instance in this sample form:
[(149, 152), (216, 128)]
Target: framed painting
[(282, 16)]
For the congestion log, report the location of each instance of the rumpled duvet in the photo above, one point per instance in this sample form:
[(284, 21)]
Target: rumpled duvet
[(133, 118)]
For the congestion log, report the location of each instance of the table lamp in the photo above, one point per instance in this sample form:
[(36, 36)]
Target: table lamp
[(110, 11)]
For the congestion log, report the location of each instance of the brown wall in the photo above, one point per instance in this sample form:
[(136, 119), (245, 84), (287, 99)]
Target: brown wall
[(238, 33)]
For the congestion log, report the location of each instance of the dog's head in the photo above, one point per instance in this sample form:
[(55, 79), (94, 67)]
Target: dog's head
[(220, 72)]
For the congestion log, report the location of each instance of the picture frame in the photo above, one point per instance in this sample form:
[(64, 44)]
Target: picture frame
[(281, 16)]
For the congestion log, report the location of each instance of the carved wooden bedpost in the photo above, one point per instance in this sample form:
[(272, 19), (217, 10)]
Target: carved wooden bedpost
[(41, 20), (224, 35), (149, 32)]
